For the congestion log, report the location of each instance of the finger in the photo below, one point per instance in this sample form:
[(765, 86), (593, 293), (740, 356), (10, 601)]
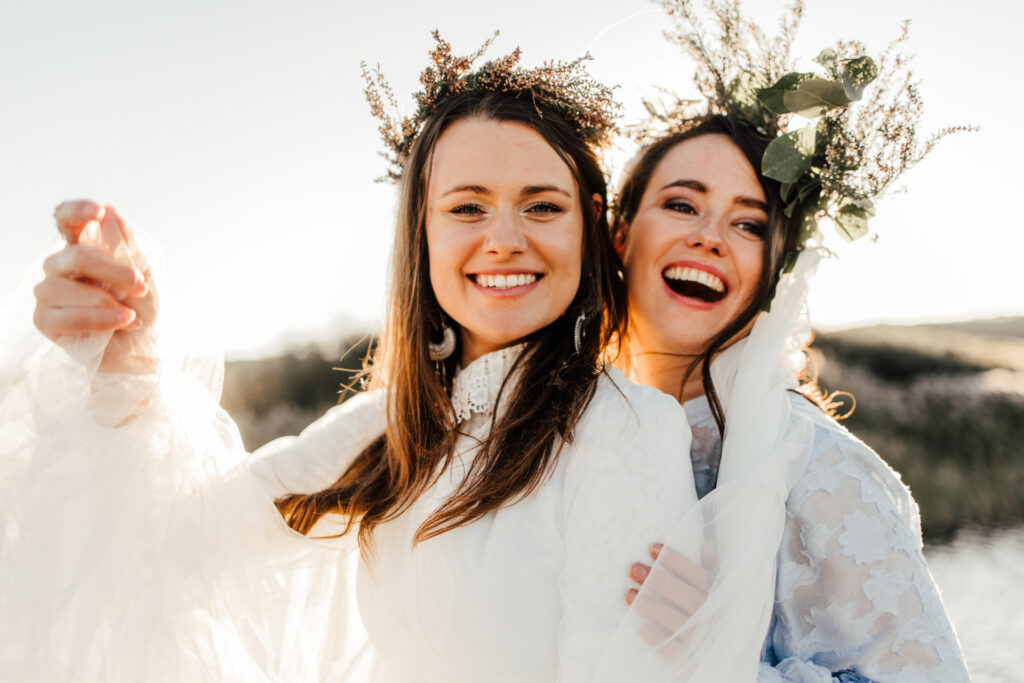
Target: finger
[(120, 236), (82, 261), (682, 566), (64, 293), (658, 612), (122, 225), (73, 216), (660, 639), (680, 594), (58, 322)]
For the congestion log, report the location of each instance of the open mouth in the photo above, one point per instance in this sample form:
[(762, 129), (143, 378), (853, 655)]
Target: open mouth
[(694, 283), (508, 281)]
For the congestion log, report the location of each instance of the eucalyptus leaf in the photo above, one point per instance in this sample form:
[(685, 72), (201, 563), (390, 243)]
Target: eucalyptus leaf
[(651, 109), (786, 192), (815, 96), (852, 219), (830, 60), (857, 73), (789, 156), (772, 96)]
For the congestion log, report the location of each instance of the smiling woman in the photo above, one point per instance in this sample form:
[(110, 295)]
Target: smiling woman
[(489, 490)]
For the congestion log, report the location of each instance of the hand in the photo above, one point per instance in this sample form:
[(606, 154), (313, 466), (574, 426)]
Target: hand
[(677, 587), (99, 282)]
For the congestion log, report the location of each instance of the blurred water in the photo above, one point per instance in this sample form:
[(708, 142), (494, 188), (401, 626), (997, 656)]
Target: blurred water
[(982, 581)]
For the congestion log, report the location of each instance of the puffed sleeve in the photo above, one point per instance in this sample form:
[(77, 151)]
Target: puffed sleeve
[(315, 459), (854, 598), (628, 479)]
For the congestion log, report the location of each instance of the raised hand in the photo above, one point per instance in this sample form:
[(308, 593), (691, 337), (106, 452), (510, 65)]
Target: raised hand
[(676, 588), (99, 282)]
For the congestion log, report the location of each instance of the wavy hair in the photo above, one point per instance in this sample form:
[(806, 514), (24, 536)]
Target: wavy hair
[(554, 383)]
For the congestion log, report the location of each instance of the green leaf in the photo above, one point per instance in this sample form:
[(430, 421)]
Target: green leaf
[(650, 108), (789, 156), (815, 96), (852, 218), (786, 192), (857, 73), (772, 97), (830, 60)]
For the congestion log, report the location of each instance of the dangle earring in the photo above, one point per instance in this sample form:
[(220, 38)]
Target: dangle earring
[(579, 334), (445, 348)]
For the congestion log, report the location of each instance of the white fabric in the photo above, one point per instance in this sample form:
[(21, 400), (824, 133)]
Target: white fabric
[(144, 546)]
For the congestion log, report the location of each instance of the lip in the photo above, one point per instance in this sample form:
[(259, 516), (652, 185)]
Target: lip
[(690, 301), (511, 292)]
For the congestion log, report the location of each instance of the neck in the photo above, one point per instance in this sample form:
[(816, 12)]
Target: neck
[(666, 372)]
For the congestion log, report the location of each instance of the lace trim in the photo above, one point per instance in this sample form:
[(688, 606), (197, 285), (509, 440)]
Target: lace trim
[(476, 386)]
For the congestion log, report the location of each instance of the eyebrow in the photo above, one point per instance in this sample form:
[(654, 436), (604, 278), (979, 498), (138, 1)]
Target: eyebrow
[(698, 186), (527, 191)]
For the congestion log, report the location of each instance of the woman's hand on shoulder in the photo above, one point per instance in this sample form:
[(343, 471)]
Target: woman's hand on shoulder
[(99, 282)]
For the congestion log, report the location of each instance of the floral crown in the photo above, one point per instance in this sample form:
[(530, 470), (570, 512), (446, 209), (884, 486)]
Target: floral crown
[(564, 87), (845, 156)]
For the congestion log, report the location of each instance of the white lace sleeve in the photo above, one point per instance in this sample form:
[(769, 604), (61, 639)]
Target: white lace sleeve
[(627, 480), (854, 599)]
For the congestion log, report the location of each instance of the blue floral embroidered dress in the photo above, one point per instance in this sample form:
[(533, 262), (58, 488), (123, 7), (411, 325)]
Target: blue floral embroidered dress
[(854, 600)]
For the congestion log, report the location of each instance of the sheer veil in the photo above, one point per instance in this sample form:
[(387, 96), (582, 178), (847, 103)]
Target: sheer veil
[(735, 530)]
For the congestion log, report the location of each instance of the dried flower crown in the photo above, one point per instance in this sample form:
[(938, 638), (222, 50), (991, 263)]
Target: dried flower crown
[(564, 87), (846, 156)]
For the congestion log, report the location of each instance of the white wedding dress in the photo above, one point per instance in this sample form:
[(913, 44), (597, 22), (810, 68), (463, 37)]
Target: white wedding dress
[(149, 548)]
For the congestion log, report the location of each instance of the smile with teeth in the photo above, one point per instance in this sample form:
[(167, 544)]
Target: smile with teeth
[(504, 281), (695, 283)]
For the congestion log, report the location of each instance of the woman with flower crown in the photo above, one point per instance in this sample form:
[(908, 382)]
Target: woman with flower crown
[(491, 486), (810, 534)]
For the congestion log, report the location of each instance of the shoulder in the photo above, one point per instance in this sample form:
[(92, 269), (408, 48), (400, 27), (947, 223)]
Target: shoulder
[(632, 436), (621, 404), (846, 479)]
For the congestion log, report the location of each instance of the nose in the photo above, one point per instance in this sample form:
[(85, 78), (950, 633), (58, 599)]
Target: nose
[(707, 233), (504, 237)]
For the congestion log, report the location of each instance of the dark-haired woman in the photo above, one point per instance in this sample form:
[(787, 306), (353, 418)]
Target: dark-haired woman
[(813, 535), (496, 478)]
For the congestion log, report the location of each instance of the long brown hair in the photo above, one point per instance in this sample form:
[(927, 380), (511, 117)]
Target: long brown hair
[(780, 239), (554, 385)]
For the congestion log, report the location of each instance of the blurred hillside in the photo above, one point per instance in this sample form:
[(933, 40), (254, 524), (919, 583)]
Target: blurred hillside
[(943, 404)]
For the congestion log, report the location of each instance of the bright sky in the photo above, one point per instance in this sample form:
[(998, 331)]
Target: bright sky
[(234, 132)]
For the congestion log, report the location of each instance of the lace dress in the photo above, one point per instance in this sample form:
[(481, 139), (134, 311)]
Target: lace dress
[(172, 567), (854, 600)]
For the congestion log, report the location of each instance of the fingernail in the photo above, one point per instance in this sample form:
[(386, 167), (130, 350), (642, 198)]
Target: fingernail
[(631, 595), (656, 549), (126, 316), (639, 572)]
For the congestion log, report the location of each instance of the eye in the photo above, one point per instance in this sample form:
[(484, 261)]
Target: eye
[(467, 210), (544, 209), (680, 206), (753, 228)]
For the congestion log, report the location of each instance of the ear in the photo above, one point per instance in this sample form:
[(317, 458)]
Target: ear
[(619, 234), (598, 204)]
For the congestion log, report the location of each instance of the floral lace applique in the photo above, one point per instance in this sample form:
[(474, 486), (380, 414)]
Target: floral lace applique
[(475, 387)]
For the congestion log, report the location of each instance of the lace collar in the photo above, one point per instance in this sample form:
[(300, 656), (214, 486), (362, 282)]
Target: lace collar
[(476, 386)]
